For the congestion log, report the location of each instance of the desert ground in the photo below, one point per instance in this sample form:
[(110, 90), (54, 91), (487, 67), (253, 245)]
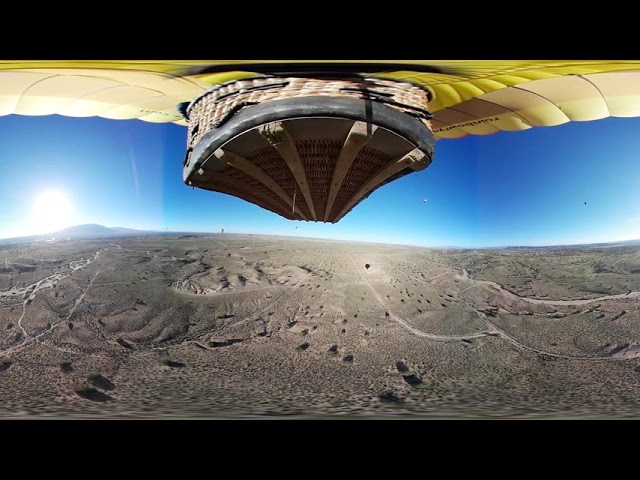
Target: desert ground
[(238, 326)]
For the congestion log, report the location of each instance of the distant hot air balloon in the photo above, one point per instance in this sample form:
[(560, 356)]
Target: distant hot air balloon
[(256, 130), (424, 201)]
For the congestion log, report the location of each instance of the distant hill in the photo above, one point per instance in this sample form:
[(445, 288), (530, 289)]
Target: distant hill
[(82, 230), (88, 230), (622, 243), (91, 229), (125, 230)]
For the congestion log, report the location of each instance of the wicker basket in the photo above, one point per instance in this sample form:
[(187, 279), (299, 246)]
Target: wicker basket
[(307, 148)]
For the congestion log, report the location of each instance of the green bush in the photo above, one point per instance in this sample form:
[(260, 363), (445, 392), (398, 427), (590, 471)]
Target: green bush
[(84, 389)]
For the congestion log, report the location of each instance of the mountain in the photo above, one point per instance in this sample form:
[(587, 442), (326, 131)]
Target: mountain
[(93, 229), (83, 230), (124, 230), (88, 230)]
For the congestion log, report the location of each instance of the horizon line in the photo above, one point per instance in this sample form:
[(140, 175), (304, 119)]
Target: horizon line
[(501, 247)]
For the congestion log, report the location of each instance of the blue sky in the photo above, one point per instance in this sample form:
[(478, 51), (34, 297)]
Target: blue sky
[(512, 188)]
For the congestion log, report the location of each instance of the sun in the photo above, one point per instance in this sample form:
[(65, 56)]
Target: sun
[(51, 210)]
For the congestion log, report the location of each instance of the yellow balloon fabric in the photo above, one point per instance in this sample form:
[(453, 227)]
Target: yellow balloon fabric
[(480, 98)]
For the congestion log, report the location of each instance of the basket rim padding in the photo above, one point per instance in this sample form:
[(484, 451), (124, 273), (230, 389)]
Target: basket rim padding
[(368, 78), (402, 124)]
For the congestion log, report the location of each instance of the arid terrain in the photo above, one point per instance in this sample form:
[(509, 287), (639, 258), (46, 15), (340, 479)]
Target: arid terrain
[(229, 326)]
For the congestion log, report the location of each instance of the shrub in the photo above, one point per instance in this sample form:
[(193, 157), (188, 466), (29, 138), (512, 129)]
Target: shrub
[(100, 381), (84, 389), (66, 366), (5, 364), (171, 363), (389, 397)]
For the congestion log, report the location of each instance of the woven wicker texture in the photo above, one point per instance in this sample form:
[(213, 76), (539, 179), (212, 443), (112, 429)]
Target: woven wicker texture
[(270, 161), (213, 106)]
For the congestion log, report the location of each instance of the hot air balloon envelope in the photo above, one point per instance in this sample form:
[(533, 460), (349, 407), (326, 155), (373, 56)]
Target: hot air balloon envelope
[(310, 140)]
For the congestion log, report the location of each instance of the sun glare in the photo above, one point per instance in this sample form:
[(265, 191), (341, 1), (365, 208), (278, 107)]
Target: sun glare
[(51, 211)]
